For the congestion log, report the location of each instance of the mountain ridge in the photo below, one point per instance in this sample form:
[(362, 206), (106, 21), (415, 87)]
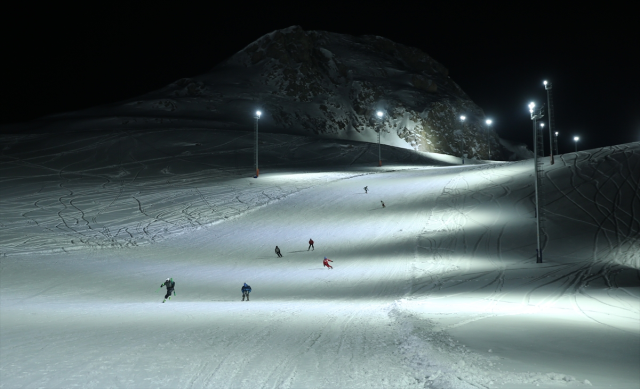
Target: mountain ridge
[(316, 83)]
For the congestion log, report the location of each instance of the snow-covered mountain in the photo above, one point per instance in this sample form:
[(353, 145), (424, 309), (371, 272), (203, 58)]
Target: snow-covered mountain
[(317, 83)]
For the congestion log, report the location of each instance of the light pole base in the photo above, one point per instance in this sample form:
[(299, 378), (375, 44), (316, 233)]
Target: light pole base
[(257, 173), (552, 161), (379, 163)]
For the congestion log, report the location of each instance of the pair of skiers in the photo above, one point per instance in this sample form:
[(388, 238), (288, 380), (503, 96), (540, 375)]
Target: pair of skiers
[(246, 289), (311, 247), (170, 284)]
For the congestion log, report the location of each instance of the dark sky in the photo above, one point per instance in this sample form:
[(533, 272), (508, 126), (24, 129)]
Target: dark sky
[(66, 59)]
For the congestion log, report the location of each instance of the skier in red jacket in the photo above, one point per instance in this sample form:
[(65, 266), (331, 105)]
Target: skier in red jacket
[(311, 244), (326, 262)]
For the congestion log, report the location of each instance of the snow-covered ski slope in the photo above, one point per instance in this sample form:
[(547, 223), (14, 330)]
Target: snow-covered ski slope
[(439, 289)]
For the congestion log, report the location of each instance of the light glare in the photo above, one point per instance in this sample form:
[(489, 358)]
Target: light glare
[(462, 117), (379, 113), (576, 138), (258, 113), (489, 121)]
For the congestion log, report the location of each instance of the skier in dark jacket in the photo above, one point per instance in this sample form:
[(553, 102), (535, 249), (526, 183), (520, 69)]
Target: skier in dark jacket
[(170, 284), (311, 244), (278, 252), (246, 289)]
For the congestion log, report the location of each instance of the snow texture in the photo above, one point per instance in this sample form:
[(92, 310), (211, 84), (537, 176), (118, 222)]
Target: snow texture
[(440, 289)]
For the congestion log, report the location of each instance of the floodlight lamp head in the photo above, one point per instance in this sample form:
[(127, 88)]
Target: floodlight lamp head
[(576, 138), (380, 114), (258, 114), (541, 124), (489, 121), (545, 82), (462, 117), (556, 133)]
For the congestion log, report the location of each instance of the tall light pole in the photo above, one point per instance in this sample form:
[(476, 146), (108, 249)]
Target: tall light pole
[(555, 143), (542, 143), (489, 121), (535, 115), (462, 119), (257, 117), (379, 114), (547, 86), (576, 139)]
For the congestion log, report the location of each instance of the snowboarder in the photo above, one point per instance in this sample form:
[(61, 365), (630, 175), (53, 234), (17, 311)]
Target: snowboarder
[(170, 284), (366, 189), (382, 202), (311, 244), (246, 289), (278, 252), (326, 262)]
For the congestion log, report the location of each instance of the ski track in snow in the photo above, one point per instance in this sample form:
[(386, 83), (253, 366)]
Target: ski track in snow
[(452, 249)]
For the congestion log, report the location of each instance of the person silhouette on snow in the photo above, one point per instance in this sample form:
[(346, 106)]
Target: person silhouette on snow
[(246, 289), (326, 262), (382, 202), (170, 284), (311, 244), (278, 252), (366, 189)]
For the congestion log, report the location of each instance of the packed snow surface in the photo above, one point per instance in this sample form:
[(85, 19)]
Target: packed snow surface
[(439, 289)]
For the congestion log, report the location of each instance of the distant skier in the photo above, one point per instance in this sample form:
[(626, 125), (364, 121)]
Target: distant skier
[(278, 252), (311, 244), (382, 202), (170, 284), (246, 289), (366, 189), (326, 262)]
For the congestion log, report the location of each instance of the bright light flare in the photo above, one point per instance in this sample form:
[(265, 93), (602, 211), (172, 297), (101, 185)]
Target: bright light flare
[(576, 138), (462, 117), (380, 114), (258, 113), (489, 121), (556, 133), (541, 125), (545, 82)]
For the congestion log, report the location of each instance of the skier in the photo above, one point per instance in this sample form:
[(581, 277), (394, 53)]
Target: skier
[(311, 244), (278, 252), (382, 202), (246, 289), (170, 284), (366, 189), (326, 262)]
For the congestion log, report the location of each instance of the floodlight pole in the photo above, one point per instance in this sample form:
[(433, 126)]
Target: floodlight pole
[(535, 115), (576, 139), (257, 117), (547, 86), (462, 119), (489, 121), (555, 141), (380, 115)]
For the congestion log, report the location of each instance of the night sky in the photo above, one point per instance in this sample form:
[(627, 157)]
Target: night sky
[(68, 59)]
